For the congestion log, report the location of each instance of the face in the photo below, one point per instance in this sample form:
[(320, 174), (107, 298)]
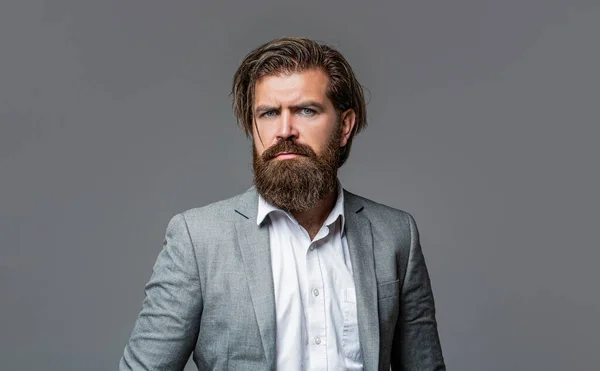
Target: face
[(297, 139)]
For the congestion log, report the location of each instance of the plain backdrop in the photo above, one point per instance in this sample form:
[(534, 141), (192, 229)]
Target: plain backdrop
[(483, 124)]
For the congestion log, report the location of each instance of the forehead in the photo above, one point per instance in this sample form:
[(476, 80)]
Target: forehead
[(310, 84)]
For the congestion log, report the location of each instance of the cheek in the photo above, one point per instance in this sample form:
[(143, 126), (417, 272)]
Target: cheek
[(264, 137), (323, 140)]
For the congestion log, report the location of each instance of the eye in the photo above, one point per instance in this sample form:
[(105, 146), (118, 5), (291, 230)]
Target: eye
[(269, 114), (307, 112)]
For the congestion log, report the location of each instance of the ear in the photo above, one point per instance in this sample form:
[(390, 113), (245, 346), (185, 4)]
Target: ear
[(348, 120)]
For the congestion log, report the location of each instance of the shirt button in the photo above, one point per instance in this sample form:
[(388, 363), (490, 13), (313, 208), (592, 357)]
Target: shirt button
[(316, 292), (317, 340), (312, 247)]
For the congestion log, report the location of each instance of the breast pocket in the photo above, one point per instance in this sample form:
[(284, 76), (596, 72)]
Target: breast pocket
[(350, 343), (388, 289)]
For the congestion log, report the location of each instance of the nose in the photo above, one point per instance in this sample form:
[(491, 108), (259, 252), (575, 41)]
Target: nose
[(287, 128)]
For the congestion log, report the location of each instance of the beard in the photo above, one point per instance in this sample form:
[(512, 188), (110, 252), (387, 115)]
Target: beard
[(299, 183)]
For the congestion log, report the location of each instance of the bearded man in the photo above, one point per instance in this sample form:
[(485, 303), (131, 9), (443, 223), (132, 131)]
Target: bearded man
[(296, 273)]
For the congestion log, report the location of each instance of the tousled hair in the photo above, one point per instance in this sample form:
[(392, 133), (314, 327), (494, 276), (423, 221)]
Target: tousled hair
[(291, 55)]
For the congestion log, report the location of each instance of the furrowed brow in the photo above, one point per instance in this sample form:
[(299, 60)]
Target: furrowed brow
[(261, 109), (310, 104)]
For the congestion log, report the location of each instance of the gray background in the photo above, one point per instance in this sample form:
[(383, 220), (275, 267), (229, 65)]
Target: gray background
[(115, 115)]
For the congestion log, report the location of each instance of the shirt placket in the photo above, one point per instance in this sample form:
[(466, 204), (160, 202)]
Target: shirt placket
[(316, 299)]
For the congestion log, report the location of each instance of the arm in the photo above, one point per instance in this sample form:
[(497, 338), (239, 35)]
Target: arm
[(167, 327), (416, 344)]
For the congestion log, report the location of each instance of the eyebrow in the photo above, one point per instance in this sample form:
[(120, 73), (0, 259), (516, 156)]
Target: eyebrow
[(308, 104)]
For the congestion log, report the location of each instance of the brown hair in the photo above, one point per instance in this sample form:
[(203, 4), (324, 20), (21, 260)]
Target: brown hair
[(290, 55)]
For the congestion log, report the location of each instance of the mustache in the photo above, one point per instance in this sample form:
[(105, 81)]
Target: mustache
[(288, 146)]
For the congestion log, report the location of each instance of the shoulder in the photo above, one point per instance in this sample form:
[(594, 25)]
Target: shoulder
[(381, 215), (219, 212), (374, 207)]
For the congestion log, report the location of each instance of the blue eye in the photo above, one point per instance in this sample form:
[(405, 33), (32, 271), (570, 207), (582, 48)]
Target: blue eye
[(307, 112), (269, 114)]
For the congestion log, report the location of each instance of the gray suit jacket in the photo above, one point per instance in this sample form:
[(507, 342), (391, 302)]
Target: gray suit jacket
[(211, 292)]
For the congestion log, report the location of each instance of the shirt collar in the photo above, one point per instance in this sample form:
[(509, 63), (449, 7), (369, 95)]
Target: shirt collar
[(265, 208)]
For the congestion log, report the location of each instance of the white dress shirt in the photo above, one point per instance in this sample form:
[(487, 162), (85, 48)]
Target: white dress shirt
[(315, 301)]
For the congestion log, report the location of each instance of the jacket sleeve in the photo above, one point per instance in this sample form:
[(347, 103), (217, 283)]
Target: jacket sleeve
[(167, 326), (416, 344)]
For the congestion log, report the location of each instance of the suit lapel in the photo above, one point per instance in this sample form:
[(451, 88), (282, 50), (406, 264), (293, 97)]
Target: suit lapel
[(254, 248), (360, 245)]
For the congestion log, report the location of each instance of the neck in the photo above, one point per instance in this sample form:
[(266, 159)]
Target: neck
[(312, 219)]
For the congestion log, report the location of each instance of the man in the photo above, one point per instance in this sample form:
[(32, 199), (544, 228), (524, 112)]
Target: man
[(296, 273)]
